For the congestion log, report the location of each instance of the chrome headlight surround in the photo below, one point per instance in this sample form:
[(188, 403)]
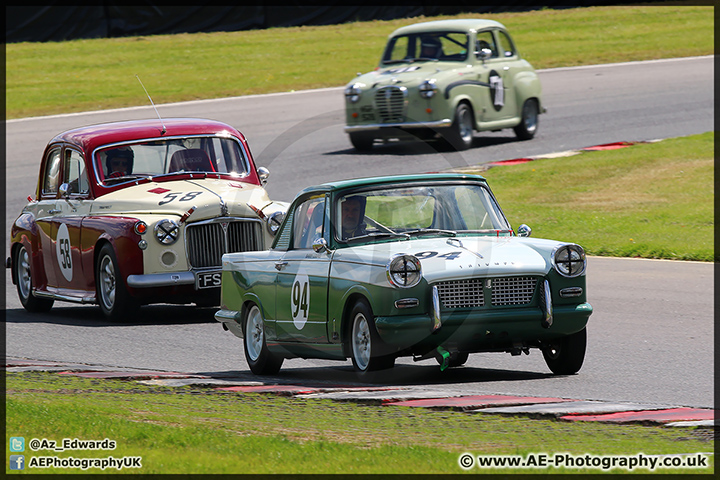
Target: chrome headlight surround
[(569, 260), (353, 92), (167, 231), (404, 271), (428, 89)]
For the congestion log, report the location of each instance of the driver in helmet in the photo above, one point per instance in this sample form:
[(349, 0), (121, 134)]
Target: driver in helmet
[(119, 162)]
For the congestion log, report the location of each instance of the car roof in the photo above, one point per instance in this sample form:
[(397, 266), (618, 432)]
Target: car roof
[(459, 24), (93, 136), (392, 179)]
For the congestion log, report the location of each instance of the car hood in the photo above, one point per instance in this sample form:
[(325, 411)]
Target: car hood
[(210, 197), (460, 257), (410, 75)]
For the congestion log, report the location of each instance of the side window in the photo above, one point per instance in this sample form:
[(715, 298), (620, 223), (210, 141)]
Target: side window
[(51, 182), (75, 173), (506, 45), (308, 222), (486, 40)]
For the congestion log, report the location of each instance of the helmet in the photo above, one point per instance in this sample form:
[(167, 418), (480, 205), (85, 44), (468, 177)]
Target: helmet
[(125, 153)]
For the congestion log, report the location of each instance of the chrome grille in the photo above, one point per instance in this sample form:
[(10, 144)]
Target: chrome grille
[(461, 293), (513, 290), (206, 242), (470, 293), (390, 104)]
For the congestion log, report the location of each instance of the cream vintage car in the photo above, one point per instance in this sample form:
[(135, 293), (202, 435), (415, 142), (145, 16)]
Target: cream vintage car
[(444, 79), (139, 212)]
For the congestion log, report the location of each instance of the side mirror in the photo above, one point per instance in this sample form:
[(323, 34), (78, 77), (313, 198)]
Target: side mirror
[(274, 221), (320, 245), (484, 54), (64, 190), (524, 231), (263, 174)]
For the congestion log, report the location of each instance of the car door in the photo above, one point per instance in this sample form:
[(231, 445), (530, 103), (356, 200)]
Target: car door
[(72, 205), (46, 210), (302, 281), (497, 72)]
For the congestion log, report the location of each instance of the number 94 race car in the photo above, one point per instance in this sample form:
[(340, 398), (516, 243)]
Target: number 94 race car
[(424, 266), (139, 212)]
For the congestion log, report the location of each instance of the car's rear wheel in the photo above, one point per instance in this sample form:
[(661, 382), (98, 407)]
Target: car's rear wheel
[(23, 276), (460, 134), (529, 121), (112, 296), (566, 355), (361, 141), (365, 344), (259, 358)]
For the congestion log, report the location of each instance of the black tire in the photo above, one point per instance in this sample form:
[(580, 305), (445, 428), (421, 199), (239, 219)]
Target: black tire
[(460, 134), (457, 359), (566, 355), (112, 296), (361, 141), (24, 283), (365, 343), (257, 355), (529, 120)]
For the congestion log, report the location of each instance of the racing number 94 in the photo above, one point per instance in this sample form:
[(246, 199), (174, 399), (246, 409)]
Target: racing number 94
[(300, 298)]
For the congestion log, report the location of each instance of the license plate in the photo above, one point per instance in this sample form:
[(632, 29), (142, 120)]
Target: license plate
[(208, 279)]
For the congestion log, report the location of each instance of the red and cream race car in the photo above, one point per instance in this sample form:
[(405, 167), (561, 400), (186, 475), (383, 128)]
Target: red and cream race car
[(139, 212)]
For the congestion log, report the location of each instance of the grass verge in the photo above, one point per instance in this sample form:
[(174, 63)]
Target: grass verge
[(80, 75), (653, 200), (198, 430)]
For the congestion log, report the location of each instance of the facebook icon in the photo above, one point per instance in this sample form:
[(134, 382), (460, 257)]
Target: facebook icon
[(17, 462)]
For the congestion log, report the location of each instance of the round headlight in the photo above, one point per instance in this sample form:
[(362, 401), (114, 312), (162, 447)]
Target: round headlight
[(167, 232), (353, 92), (428, 89), (569, 260), (404, 271)]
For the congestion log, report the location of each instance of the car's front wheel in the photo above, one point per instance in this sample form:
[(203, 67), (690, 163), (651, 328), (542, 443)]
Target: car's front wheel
[(365, 344), (460, 134), (361, 141), (566, 355), (112, 296), (23, 276), (259, 358), (529, 120)]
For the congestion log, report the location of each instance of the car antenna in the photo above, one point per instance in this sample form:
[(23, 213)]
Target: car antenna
[(153, 105)]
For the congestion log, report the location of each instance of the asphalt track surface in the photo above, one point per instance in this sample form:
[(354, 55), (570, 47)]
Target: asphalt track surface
[(650, 338)]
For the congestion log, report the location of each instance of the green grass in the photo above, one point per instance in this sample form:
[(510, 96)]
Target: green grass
[(81, 75), (653, 200), (199, 430)]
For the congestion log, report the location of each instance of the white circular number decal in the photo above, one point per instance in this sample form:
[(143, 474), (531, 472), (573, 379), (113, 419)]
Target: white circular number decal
[(300, 300), (62, 249)]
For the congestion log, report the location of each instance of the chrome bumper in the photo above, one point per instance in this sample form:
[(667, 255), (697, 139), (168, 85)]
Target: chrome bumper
[(405, 125), (161, 280)]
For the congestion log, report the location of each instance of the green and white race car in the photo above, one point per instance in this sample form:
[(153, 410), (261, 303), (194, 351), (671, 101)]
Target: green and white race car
[(423, 265)]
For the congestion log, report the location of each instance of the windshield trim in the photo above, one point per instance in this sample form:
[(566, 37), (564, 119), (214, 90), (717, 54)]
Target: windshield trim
[(224, 135)]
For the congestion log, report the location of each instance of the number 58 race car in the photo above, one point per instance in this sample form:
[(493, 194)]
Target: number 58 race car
[(139, 212)]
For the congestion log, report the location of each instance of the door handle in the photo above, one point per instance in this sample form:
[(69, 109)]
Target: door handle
[(54, 211), (280, 265)]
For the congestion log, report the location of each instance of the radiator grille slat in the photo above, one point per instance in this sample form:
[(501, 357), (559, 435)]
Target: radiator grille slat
[(390, 104), (470, 293), (207, 242)]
